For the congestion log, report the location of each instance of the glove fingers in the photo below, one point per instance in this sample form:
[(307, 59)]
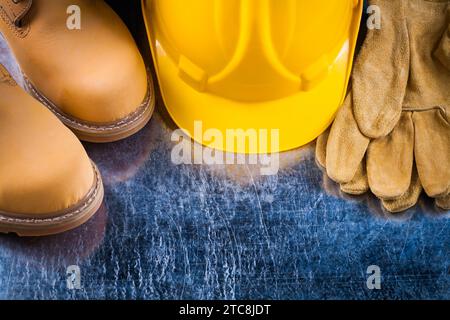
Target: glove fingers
[(321, 149), (381, 72), (432, 151), (346, 145), (390, 160), (409, 199), (443, 202), (359, 185)]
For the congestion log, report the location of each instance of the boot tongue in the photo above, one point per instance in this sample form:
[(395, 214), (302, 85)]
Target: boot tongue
[(15, 9)]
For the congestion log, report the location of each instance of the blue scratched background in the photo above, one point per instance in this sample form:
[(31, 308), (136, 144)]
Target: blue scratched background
[(226, 232)]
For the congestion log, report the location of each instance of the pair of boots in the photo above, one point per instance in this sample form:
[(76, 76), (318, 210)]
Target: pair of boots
[(86, 75)]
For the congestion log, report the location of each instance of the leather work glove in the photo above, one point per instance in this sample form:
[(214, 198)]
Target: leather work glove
[(392, 135)]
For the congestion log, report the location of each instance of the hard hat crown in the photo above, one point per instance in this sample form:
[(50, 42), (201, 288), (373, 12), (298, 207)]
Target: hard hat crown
[(253, 50)]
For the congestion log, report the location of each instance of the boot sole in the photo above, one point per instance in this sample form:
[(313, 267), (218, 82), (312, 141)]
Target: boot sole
[(57, 222), (101, 133)]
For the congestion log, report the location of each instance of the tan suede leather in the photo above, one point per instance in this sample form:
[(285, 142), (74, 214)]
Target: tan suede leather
[(44, 169), (392, 134), (443, 51), (94, 76)]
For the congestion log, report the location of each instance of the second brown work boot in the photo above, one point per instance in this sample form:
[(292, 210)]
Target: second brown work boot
[(47, 182), (80, 61)]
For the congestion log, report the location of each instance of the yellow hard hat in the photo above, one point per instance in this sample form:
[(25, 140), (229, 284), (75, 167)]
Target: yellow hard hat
[(273, 65)]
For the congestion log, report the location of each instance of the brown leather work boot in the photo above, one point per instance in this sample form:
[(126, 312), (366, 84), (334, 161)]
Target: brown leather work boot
[(81, 62), (47, 182)]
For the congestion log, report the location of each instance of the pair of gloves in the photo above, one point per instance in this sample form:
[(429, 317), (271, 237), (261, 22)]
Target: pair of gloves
[(392, 135)]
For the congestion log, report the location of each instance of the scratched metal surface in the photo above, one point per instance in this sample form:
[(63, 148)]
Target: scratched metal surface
[(225, 232)]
